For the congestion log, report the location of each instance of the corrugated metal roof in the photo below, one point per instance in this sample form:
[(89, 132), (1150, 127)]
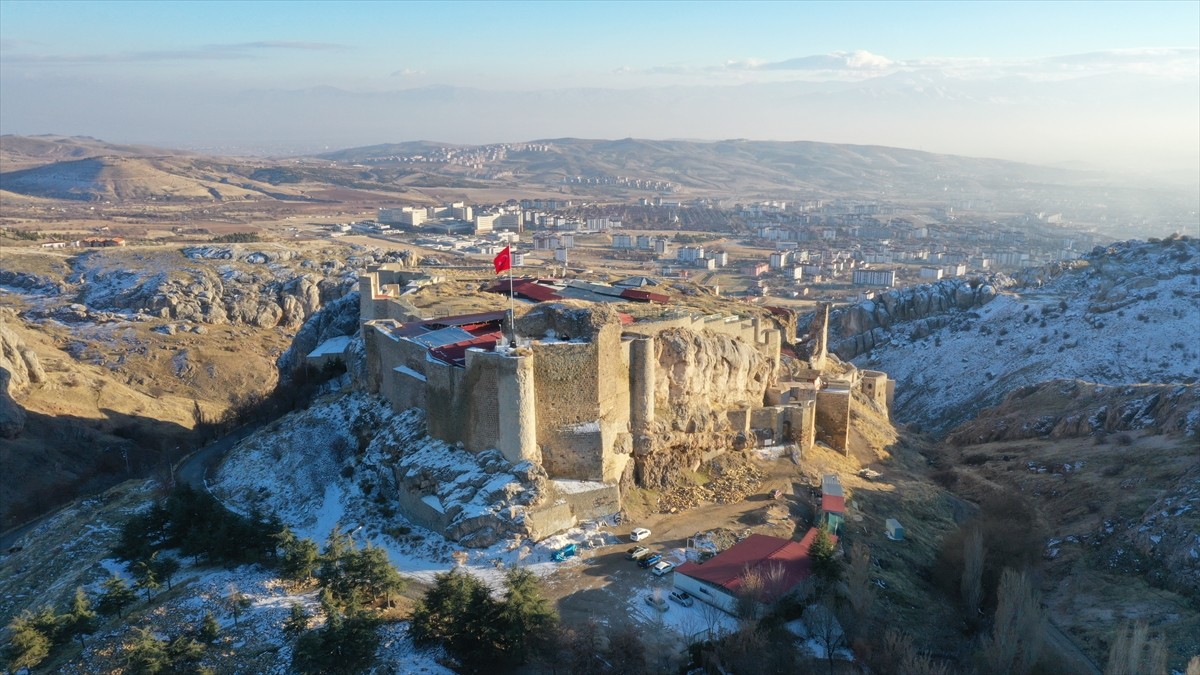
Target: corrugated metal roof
[(833, 504), (757, 551), (645, 296), (442, 336), (455, 354)]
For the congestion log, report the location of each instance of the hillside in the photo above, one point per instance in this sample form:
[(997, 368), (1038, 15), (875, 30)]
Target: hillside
[(739, 167), (1126, 314), (22, 152), (119, 179), (81, 169), (115, 356), (1113, 474)]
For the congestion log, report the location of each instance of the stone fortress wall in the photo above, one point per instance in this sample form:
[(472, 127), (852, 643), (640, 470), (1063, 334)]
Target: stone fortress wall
[(592, 399)]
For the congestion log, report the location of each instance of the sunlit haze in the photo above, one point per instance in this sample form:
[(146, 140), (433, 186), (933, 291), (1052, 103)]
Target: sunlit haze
[(1111, 85)]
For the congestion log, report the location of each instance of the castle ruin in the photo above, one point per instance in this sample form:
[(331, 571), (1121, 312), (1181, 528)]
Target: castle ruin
[(592, 395)]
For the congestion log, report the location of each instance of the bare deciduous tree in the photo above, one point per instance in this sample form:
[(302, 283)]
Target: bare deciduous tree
[(1016, 641), (749, 595), (972, 578), (823, 627), (900, 655), (859, 590), (1135, 651), (712, 616)]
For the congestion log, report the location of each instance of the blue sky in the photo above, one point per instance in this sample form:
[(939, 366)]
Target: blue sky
[(198, 60), (549, 44)]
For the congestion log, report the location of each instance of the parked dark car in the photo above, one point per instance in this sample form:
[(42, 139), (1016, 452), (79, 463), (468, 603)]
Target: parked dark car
[(649, 561)]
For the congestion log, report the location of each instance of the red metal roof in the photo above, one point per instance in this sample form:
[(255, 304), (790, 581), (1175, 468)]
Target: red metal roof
[(645, 296), (465, 319), (527, 288), (759, 552), (455, 354), (833, 504)]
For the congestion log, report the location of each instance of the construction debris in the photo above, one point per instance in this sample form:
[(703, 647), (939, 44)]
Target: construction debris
[(733, 479)]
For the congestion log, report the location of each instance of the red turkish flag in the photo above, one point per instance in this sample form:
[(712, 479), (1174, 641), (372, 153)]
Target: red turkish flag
[(503, 260)]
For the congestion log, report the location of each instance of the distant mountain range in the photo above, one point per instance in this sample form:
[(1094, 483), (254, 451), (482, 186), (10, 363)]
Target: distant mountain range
[(82, 168)]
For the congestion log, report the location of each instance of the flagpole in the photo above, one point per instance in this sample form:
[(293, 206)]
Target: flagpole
[(512, 304)]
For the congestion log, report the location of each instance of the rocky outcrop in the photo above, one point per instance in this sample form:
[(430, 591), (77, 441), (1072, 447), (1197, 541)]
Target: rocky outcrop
[(701, 376), (339, 317), (19, 367), (1071, 409), (19, 359), (34, 283), (12, 415), (857, 329), (569, 319), (216, 296), (1168, 533)]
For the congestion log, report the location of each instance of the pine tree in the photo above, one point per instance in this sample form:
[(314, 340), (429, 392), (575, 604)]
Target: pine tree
[(332, 573), (81, 620), (821, 552), (372, 573), (117, 595), (147, 577), (183, 652), (297, 621), (299, 557), (236, 602), (165, 567), (459, 612), (209, 629), (525, 615), (28, 645), (146, 654)]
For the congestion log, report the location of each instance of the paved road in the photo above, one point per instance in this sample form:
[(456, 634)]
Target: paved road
[(194, 470), (1071, 657)]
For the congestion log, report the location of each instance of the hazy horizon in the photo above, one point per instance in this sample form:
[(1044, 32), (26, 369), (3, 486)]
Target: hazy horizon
[(1101, 85)]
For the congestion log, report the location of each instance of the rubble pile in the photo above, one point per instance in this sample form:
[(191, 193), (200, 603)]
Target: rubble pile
[(733, 480)]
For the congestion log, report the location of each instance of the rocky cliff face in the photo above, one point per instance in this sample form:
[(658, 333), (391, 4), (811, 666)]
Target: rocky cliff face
[(1070, 409), (19, 367), (1125, 314), (915, 311), (337, 318), (358, 457), (699, 378), (702, 376)]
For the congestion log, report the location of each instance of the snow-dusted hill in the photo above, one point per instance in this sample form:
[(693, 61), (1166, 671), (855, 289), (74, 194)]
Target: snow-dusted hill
[(1130, 314)]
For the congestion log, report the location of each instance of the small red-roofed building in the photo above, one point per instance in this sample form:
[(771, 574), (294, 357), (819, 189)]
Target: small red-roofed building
[(783, 565)]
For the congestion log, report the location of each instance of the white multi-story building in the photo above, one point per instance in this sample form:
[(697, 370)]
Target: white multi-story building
[(930, 273), (885, 278), (780, 259)]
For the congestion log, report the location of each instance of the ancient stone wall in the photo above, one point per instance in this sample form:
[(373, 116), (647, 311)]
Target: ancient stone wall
[(833, 418), (874, 385), (481, 391), (802, 416), (566, 377), (445, 402), (612, 362)]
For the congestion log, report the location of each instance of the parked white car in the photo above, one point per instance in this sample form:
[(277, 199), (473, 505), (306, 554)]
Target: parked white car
[(662, 567), (639, 533), (657, 603)]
